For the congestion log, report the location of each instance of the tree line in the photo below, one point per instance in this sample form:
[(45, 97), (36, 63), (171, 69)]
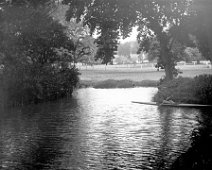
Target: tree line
[(174, 24), (38, 51), (35, 54), (128, 53)]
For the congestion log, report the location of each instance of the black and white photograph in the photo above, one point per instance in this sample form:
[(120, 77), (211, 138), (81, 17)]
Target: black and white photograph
[(105, 84)]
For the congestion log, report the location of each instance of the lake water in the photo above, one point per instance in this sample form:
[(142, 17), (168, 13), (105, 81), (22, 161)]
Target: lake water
[(97, 129)]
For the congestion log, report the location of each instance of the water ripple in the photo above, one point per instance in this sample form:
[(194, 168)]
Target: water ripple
[(97, 129)]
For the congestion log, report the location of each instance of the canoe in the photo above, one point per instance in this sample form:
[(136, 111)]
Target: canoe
[(172, 104)]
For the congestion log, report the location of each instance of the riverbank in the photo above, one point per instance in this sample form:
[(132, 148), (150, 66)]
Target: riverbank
[(178, 90), (197, 90), (96, 73), (66, 129), (126, 77), (111, 83)]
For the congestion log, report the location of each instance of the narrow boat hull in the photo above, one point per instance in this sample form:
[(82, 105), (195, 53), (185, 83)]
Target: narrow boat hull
[(172, 104)]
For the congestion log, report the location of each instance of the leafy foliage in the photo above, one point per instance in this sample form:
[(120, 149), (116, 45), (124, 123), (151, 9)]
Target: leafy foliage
[(192, 54), (107, 17), (161, 19), (203, 88), (165, 21), (107, 45), (186, 90), (34, 3), (200, 25), (33, 71), (178, 90), (84, 45), (152, 47), (87, 50)]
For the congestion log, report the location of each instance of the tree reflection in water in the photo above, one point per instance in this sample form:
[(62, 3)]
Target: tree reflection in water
[(175, 124), (98, 131), (199, 156)]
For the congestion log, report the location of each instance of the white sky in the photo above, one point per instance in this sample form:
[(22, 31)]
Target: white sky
[(133, 36)]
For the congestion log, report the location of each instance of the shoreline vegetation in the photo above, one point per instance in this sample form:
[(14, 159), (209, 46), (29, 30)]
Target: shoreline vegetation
[(197, 90), (111, 83), (191, 90), (192, 86), (35, 61)]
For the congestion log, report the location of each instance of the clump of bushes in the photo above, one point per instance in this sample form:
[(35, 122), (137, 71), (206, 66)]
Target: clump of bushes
[(34, 65), (202, 87), (178, 90), (33, 85), (124, 84), (114, 84), (186, 90)]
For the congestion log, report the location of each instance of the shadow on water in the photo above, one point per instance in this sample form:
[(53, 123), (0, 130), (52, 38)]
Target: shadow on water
[(166, 118), (30, 138), (98, 130), (176, 124), (199, 155)]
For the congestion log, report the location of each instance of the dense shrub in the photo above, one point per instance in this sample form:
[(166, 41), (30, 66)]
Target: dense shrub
[(203, 88), (32, 68), (124, 84), (186, 90), (178, 90), (33, 85)]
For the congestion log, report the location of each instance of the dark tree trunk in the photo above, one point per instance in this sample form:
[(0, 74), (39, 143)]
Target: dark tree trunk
[(169, 72), (167, 62)]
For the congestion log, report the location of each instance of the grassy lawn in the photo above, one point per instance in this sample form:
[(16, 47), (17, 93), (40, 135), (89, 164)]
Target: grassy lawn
[(101, 75), (98, 73)]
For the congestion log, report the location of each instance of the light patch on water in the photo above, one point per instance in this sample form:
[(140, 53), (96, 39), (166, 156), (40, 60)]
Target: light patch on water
[(96, 129)]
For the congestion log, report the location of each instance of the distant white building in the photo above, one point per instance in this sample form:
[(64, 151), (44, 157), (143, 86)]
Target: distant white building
[(133, 59), (139, 58)]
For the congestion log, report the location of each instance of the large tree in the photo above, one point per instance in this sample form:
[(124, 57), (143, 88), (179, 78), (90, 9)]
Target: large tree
[(163, 19), (124, 49), (26, 3), (200, 25), (84, 45), (107, 45), (193, 54), (33, 70), (106, 18)]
